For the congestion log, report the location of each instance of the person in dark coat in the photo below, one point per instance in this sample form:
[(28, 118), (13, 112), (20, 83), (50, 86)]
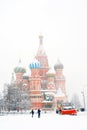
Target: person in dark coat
[(39, 113), (32, 112)]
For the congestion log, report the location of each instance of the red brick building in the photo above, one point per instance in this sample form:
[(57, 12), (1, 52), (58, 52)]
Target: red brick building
[(46, 86)]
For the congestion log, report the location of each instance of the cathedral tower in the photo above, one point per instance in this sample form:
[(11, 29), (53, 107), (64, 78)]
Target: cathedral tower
[(19, 71), (35, 85), (51, 80), (42, 58), (60, 81)]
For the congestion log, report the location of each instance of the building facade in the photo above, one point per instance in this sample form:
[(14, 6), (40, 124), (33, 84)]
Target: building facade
[(46, 86)]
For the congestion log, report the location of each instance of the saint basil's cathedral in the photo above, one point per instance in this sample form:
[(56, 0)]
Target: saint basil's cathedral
[(46, 86)]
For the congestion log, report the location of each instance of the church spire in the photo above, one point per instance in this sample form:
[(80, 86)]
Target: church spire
[(41, 39), (42, 57), (41, 51)]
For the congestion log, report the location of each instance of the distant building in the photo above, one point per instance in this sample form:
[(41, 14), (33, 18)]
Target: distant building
[(46, 86)]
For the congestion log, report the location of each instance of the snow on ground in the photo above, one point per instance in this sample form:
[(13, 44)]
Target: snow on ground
[(48, 121)]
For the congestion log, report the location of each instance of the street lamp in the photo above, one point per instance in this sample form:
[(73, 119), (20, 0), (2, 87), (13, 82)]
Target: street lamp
[(83, 94), (83, 98)]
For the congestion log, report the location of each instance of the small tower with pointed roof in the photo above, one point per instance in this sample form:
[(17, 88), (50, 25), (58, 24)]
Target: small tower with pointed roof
[(59, 77), (35, 84), (42, 58), (19, 71)]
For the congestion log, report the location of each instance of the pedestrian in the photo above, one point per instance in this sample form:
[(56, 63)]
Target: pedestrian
[(56, 111), (39, 113), (32, 112)]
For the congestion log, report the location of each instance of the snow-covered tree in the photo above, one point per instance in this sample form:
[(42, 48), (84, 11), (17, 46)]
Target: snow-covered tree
[(16, 97), (1, 103)]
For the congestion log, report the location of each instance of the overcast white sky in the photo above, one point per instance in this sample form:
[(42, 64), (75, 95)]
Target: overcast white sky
[(63, 24)]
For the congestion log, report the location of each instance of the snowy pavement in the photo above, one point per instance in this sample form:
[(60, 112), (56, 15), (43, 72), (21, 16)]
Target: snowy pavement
[(48, 121)]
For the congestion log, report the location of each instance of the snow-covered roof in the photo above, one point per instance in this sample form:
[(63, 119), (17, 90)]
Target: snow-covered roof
[(26, 74), (51, 83), (60, 93), (50, 93), (51, 71), (45, 101)]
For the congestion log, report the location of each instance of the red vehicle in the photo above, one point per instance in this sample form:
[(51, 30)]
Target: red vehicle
[(68, 109)]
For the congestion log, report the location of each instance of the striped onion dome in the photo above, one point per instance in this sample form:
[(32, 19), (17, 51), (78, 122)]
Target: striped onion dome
[(20, 68), (35, 64)]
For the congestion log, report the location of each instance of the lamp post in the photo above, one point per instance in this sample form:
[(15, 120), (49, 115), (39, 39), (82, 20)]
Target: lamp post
[(83, 94), (83, 98)]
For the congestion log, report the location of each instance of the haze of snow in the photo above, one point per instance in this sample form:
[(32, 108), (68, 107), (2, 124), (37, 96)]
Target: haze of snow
[(63, 24), (48, 121)]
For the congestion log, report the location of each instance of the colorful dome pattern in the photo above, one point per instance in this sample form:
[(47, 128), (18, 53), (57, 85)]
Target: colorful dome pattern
[(19, 70), (35, 64)]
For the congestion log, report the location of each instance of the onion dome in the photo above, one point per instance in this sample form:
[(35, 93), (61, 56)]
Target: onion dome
[(50, 73), (58, 65), (25, 76), (19, 68), (35, 64)]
